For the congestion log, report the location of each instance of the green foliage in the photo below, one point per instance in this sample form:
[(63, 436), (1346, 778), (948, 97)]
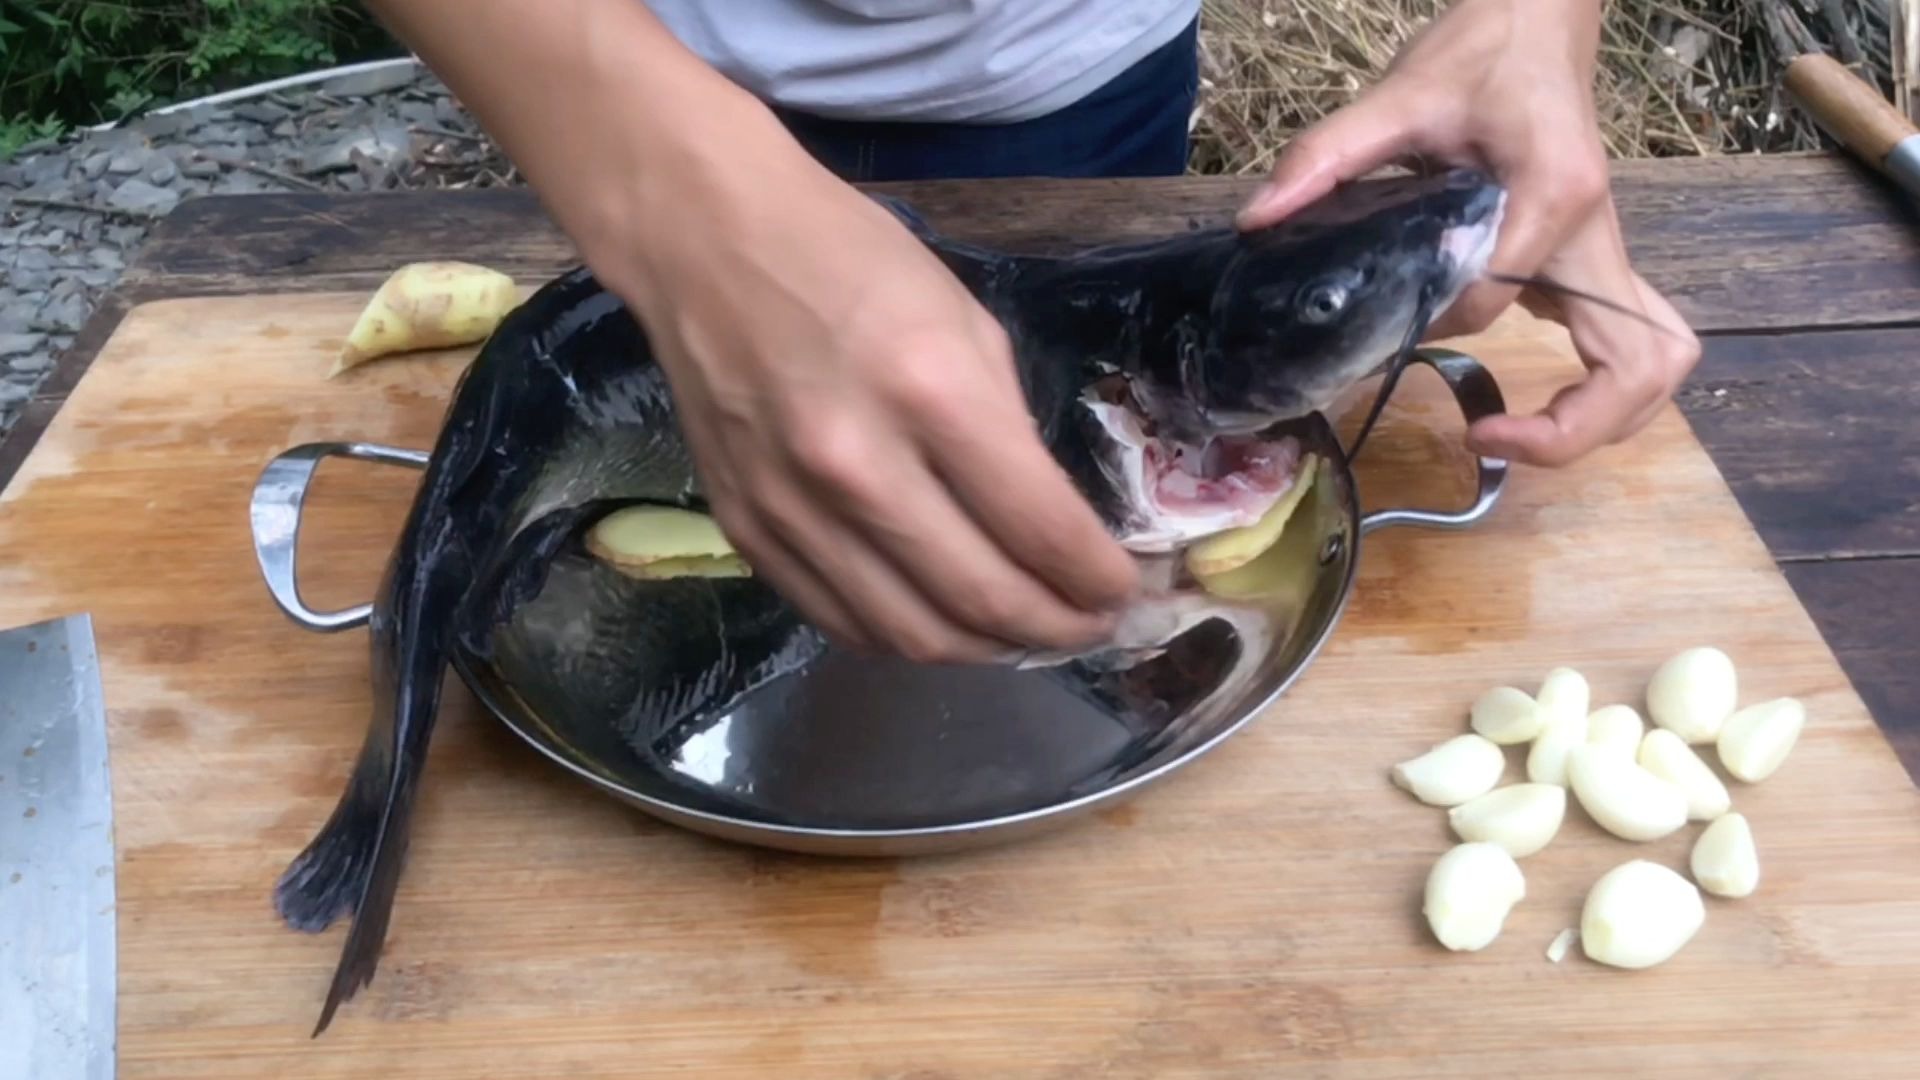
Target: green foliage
[(76, 62)]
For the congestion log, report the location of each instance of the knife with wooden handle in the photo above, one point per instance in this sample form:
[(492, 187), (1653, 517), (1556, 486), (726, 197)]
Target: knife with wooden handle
[(1856, 116)]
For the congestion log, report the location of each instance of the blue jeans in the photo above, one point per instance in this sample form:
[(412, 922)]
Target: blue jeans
[(1135, 125)]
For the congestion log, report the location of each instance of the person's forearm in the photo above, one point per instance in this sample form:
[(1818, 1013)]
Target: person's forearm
[(614, 123)]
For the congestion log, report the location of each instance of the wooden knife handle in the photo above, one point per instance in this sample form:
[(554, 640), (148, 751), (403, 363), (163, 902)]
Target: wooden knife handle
[(1851, 110)]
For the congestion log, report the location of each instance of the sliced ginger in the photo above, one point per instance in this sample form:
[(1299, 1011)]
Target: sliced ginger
[(1225, 552), (656, 542)]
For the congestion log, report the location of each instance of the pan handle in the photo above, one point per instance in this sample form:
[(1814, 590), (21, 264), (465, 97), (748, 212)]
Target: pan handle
[(277, 499), (1478, 395)]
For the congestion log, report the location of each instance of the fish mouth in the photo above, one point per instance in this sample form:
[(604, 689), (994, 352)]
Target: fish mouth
[(1176, 491)]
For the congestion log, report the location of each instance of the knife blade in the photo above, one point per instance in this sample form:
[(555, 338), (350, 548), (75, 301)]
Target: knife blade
[(57, 896), (1854, 114)]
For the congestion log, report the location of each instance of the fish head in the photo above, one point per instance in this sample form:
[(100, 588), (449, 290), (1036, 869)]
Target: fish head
[(1312, 305), (1298, 313)]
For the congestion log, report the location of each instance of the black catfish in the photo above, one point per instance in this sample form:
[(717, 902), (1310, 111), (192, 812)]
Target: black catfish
[(1211, 336)]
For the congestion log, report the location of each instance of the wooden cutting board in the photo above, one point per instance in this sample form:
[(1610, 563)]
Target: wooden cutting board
[(1255, 916)]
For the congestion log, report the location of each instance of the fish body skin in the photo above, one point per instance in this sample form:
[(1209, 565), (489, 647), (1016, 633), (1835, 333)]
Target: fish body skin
[(565, 413)]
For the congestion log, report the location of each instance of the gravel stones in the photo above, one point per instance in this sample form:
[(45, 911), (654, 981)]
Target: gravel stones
[(12, 345), (43, 170), (260, 112), (68, 313), (383, 145), (18, 314), (28, 259), (394, 127), (140, 197), (419, 113)]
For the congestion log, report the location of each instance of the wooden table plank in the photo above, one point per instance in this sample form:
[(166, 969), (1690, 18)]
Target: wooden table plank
[(1815, 433), (1740, 243), (1864, 608), (26, 431), (1255, 917)]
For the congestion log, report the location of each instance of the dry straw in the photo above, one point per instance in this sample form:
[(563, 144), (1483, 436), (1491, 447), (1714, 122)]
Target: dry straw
[(1677, 77)]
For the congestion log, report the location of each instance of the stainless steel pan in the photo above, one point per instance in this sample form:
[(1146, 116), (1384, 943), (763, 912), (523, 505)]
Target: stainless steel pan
[(866, 757)]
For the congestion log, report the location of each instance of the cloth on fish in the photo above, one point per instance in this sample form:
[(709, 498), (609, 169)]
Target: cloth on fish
[(1161, 375)]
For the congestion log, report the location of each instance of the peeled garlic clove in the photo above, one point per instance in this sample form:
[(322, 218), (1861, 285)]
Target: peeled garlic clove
[(1693, 694), (1668, 757), (1758, 738), (1547, 758), (1725, 862), (1563, 692), (1617, 728), (1624, 798), (1639, 914), (1506, 716), (1470, 890), (1521, 818), (1462, 768), (1557, 948)]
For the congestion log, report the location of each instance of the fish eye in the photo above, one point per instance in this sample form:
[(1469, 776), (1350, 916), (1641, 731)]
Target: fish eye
[(1323, 301)]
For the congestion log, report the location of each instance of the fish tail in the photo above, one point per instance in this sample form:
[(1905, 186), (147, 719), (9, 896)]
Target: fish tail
[(354, 865), (387, 848), (325, 880)]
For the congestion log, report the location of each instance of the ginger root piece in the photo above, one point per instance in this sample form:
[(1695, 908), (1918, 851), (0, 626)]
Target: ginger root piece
[(428, 305)]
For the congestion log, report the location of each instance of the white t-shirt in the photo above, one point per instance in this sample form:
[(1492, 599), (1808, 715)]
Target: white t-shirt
[(938, 60)]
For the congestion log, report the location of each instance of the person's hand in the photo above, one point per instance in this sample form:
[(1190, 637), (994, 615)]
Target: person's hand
[(1506, 85), (853, 412), (859, 429), (1632, 368)]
